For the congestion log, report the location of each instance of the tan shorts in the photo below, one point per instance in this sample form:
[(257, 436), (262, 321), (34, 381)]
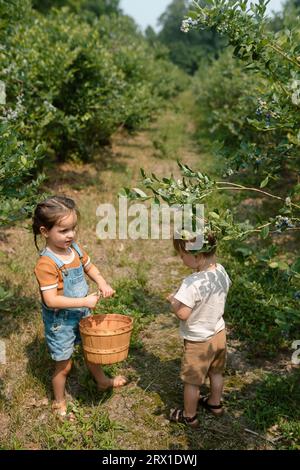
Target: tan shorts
[(200, 358)]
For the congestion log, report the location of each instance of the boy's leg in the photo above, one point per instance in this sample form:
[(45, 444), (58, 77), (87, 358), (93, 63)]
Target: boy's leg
[(102, 380), (216, 370), (216, 388), (62, 369), (191, 398)]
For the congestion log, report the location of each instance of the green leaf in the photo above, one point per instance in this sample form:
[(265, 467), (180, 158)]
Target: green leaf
[(264, 182), (192, 14), (154, 177), (265, 232), (139, 192), (124, 192), (296, 189), (214, 215), (283, 266), (24, 160), (244, 251), (296, 266)]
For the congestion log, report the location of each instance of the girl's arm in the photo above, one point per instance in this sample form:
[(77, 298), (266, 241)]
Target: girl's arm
[(95, 276), (52, 300)]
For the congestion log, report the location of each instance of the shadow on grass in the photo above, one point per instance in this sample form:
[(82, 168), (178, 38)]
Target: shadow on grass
[(80, 384), (272, 405), (107, 159), (83, 175), (15, 310), (159, 376)]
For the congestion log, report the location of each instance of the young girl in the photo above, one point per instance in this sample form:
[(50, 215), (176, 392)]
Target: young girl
[(65, 301), (199, 304)]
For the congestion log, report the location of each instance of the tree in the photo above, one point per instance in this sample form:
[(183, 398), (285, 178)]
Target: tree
[(287, 17), (97, 7), (186, 50)]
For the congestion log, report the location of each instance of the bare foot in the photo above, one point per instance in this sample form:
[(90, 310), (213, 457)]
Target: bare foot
[(115, 382), (59, 409)]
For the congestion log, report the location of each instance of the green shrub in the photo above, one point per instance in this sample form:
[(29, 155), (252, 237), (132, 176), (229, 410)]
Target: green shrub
[(70, 82), (254, 110), (81, 82), (18, 180)]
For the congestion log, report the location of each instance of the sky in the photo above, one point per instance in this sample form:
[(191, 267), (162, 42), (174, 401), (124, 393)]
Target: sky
[(146, 12)]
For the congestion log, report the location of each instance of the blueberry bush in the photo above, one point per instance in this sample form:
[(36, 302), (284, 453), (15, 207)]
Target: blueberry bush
[(67, 83)]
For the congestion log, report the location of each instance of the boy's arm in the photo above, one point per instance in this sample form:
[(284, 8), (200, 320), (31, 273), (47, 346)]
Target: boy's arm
[(181, 311), (94, 274)]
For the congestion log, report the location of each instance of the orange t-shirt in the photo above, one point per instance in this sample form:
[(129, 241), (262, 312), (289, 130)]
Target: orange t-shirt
[(49, 275)]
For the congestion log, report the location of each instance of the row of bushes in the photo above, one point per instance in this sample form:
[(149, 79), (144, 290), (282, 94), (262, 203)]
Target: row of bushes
[(68, 85)]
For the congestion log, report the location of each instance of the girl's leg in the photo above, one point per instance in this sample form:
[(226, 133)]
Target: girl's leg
[(191, 398), (102, 380), (62, 369)]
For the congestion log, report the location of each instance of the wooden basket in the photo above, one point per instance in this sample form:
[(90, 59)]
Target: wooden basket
[(105, 338)]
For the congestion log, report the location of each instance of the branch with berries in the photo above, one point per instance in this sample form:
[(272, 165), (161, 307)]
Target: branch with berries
[(195, 188)]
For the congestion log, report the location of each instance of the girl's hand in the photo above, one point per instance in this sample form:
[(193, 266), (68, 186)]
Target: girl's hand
[(91, 300), (107, 291)]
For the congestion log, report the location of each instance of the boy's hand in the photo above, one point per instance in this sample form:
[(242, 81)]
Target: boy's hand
[(107, 290), (91, 300), (170, 297)]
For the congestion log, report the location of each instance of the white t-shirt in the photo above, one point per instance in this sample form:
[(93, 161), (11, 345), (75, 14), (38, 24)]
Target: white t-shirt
[(205, 293)]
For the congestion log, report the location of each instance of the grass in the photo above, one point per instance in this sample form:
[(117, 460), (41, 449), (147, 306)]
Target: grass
[(170, 138), (280, 421)]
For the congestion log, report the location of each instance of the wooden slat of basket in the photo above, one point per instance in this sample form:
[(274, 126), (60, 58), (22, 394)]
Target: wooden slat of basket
[(91, 332), (104, 351)]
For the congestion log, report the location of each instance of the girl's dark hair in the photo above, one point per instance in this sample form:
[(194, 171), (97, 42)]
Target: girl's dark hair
[(48, 212), (180, 245)]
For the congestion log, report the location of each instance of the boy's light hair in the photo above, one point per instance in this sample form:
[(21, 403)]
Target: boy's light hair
[(210, 249)]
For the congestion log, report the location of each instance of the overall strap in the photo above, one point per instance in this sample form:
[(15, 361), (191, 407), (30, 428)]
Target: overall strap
[(60, 264), (78, 250), (51, 255)]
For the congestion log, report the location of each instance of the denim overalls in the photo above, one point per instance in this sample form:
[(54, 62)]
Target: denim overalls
[(62, 325)]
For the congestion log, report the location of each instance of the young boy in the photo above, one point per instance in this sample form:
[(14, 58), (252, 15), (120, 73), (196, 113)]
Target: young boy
[(199, 304)]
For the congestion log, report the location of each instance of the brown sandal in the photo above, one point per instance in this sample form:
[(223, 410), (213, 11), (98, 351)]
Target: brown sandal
[(177, 416), (203, 401)]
